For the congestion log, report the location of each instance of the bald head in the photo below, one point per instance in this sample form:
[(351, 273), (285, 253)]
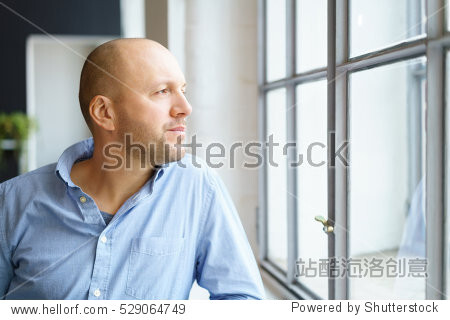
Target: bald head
[(113, 67)]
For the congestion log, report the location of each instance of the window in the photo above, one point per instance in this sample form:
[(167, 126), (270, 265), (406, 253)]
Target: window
[(386, 213), (311, 48), (379, 24), (354, 92), (276, 40), (311, 196), (276, 179)]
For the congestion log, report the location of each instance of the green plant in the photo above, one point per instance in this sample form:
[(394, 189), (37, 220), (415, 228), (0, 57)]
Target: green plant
[(16, 126)]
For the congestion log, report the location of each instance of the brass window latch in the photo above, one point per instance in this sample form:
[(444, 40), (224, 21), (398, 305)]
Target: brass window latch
[(327, 227)]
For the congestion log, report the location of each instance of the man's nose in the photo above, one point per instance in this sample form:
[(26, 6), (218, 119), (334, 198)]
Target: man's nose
[(181, 106)]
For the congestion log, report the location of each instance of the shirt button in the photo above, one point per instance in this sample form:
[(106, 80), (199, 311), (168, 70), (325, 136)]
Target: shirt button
[(82, 199), (97, 293), (104, 239)]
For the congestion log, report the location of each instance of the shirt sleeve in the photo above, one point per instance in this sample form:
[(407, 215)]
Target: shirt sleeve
[(226, 266), (6, 270)]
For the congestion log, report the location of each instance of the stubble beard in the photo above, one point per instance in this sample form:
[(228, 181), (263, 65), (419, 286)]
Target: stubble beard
[(158, 151)]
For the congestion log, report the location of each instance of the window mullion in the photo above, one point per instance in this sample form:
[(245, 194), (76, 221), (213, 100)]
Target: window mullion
[(434, 189), (341, 232), (262, 184), (331, 128), (290, 134)]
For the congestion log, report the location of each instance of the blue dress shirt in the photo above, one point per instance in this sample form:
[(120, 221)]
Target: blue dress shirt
[(179, 227)]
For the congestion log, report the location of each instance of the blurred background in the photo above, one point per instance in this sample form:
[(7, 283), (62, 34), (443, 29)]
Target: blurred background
[(257, 68)]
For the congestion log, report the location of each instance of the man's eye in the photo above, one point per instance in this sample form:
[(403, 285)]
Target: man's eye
[(163, 91)]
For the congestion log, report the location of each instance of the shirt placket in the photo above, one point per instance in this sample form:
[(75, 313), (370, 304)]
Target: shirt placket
[(99, 282), (102, 265)]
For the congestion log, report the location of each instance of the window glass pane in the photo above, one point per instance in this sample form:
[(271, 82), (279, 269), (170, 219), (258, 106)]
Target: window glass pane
[(276, 179), (311, 33), (386, 181), (275, 39), (378, 24), (311, 123)]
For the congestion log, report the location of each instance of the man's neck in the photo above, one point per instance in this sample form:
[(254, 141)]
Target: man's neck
[(109, 188)]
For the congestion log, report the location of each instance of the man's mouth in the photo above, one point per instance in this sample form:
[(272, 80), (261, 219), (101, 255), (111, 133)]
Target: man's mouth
[(178, 130)]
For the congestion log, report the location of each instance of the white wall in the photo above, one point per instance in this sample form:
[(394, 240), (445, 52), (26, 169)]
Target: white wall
[(215, 43), (132, 18), (221, 71), (53, 75)]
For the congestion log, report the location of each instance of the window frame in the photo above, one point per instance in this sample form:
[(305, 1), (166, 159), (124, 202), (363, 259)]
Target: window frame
[(433, 46)]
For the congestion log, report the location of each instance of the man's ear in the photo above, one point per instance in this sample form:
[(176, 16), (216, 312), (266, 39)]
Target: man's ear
[(102, 112)]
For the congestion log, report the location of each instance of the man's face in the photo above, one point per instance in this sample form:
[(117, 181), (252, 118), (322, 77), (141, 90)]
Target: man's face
[(152, 103)]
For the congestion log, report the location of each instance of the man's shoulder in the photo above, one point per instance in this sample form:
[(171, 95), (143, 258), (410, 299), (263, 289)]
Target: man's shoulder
[(32, 179), (194, 167)]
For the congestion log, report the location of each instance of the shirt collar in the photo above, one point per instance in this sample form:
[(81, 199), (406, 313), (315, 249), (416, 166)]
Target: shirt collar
[(81, 151)]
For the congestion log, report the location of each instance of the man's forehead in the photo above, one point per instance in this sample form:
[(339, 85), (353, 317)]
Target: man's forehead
[(157, 73)]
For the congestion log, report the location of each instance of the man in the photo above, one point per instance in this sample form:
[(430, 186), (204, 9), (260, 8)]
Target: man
[(118, 216)]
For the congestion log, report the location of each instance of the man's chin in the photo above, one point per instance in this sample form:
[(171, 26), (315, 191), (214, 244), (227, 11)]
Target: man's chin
[(178, 140)]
